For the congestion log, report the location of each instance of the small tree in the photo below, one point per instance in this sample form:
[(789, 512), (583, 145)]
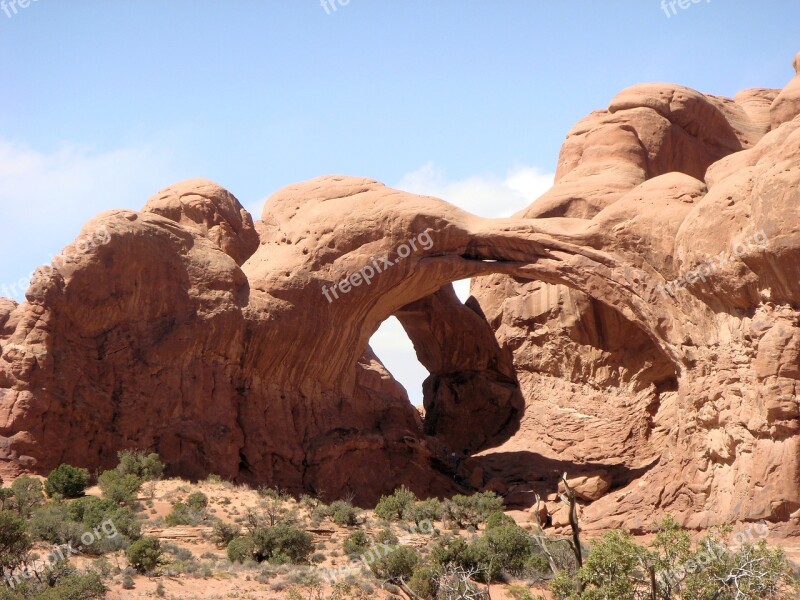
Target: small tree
[(28, 494), (120, 488), (191, 512), (424, 510), (394, 506), (397, 566), (283, 543), (356, 544), (223, 533), (67, 481), (147, 467), (242, 549), (144, 555), (471, 511), (15, 544), (6, 495)]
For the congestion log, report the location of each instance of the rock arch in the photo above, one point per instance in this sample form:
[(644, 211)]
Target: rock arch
[(184, 333)]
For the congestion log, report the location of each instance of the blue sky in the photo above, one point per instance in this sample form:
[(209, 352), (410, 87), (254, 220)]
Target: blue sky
[(107, 101)]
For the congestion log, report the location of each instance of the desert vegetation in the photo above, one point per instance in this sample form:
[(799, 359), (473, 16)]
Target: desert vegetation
[(138, 535)]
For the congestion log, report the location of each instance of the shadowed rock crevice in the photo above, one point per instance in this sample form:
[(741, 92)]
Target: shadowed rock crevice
[(472, 397)]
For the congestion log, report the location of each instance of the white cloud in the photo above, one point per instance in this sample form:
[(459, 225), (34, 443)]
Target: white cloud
[(483, 195), (47, 197)]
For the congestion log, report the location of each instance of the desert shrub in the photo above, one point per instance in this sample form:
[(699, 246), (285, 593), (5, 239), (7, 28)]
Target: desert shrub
[(85, 586), (191, 512), (344, 514), (67, 482), (385, 536), (424, 510), (118, 524), (146, 467), (283, 543), (144, 554), (28, 494), (341, 512), (223, 533), (120, 488), (471, 511), (506, 548), (521, 592), (424, 581), (397, 564), (502, 549), (127, 582), (15, 543), (450, 550), (51, 523), (730, 574), (356, 544), (197, 501), (615, 567), (242, 549), (395, 506), (498, 519), (6, 495)]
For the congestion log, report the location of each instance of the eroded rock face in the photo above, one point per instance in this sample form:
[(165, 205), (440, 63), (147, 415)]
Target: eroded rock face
[(212, 211), (241, 348), (787, 105)]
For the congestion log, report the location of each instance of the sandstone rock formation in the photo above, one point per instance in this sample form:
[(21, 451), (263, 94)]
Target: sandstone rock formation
[(637, 327)]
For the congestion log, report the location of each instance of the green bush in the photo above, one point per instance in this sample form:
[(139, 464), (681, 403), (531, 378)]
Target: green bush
[(6, 495), (96, 513), (121, 488), (192, 512), (144, 554), (242, 549), (283, 543), (398, 564), (471, 511), (28, 494), (223, 533), (15, 543), (425, 581), (394, 506), (450, 550), (146, 467), (504, 549), (425, 510), (356, 544), (385, 536), (197, 502), (344, 514), (498, 519), (615, 567), (51, 523), (67, 482), (85, 586)]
